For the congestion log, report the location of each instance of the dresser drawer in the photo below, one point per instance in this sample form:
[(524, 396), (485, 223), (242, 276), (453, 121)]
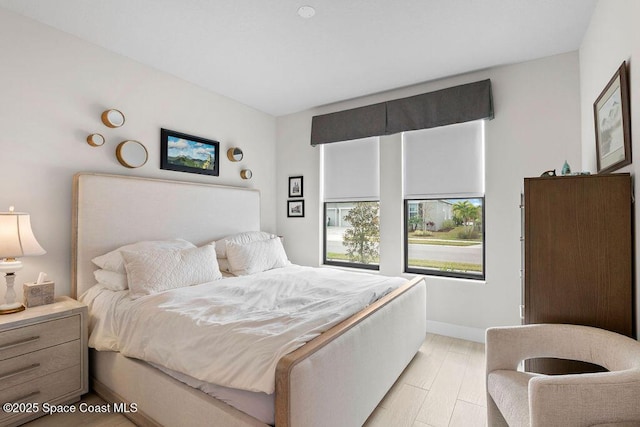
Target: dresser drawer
[(40, 390), (25, 339), (23, 368)]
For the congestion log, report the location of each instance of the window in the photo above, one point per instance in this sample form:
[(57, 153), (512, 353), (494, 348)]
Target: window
[(445, 237), (443, 191), (351, 208), (352, 234), (444, 200)]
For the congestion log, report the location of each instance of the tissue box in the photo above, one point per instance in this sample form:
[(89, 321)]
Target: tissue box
[(38, 294)]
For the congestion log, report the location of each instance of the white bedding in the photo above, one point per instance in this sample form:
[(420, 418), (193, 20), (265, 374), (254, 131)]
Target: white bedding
[(259, 405), (232, 331)]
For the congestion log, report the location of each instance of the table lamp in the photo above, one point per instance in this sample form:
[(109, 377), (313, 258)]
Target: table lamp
[(16, 240)]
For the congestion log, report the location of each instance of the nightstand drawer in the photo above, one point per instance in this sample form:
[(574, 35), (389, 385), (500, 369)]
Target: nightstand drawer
[(30, 338), (44, 389), (23, 368)]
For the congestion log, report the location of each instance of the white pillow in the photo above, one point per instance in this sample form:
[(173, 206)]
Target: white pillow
[(111, 280), (246, 237), (113, 261), (254, 257), (223, 264), (158, 270)]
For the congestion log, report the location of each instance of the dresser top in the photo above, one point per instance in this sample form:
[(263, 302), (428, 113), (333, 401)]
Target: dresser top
[(63, 306)]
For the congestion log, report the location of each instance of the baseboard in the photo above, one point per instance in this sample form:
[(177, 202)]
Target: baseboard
[(456, 331)]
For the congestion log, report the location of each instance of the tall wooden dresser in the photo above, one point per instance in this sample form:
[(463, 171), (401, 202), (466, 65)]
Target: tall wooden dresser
[(578, 237)]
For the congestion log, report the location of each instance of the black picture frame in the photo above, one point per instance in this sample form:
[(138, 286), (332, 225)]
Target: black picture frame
[(188, 153), (295, 208), (612, 119), (296, 186)]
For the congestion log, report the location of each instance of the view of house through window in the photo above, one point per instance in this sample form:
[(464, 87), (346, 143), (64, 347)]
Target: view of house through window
[(445, 237), (352, 234)]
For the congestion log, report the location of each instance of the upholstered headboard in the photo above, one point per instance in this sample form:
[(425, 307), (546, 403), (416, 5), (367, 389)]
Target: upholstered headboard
[(111, 210)]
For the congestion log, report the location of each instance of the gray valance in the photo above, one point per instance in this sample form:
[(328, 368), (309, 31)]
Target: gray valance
[(457, 104), (344, 125)]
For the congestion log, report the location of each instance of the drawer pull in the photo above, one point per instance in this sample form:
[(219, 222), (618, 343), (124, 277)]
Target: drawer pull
[(19, 371), (19, 343)]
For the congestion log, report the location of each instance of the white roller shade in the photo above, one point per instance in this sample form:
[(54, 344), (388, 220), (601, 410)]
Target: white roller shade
[(445, 161), (351, 170)]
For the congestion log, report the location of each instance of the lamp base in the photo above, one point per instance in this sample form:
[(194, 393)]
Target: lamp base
[(11, 308), (9, 267)]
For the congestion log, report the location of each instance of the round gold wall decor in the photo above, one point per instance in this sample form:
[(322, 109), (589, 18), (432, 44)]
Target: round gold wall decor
[(95, 140), (234, 154), (132, 154), (112, 118)]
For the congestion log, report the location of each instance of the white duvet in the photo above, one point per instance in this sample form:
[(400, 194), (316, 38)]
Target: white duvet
[(233, 331)]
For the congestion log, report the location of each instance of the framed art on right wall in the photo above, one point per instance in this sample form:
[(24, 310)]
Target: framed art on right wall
[(613, 130)]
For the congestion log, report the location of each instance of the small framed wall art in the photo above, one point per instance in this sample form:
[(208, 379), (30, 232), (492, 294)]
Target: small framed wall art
[(612, 123), (295, 186), (295, 208), (188, 153)]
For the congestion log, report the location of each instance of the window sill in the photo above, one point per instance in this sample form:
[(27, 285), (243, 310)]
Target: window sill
[(429, 278), (349, 268)]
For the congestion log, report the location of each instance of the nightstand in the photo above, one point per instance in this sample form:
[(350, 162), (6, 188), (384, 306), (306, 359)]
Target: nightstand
[(43, 358)]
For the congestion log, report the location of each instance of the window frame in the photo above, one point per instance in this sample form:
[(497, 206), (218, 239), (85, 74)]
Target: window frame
[(347, 264), (441, 273)]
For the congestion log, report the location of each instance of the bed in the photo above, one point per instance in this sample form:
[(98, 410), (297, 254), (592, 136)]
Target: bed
[(336, 379)]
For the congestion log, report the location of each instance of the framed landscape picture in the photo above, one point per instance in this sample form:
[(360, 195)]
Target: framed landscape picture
[(613, 130), (295, 208), (188, 153)]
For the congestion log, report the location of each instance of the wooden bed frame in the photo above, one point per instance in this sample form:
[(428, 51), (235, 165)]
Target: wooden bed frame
[(336, 379)]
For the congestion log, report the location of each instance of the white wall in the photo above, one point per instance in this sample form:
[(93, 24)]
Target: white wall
[(536, 128), (53, 88), (613, 36)]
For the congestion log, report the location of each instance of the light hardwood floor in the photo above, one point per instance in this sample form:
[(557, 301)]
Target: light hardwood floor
[(443, 386)]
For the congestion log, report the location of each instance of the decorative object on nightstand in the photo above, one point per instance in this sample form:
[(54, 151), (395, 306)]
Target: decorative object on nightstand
[(40, 292), (566, 169), (16, 240)]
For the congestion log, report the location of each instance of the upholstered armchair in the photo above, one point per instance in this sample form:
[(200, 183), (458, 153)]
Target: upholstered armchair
[(519, 399)]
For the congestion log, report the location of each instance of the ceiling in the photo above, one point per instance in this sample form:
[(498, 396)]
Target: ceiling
[(261, 53)]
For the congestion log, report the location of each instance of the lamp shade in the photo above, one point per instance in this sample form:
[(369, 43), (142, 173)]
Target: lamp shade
[(16, 237)]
